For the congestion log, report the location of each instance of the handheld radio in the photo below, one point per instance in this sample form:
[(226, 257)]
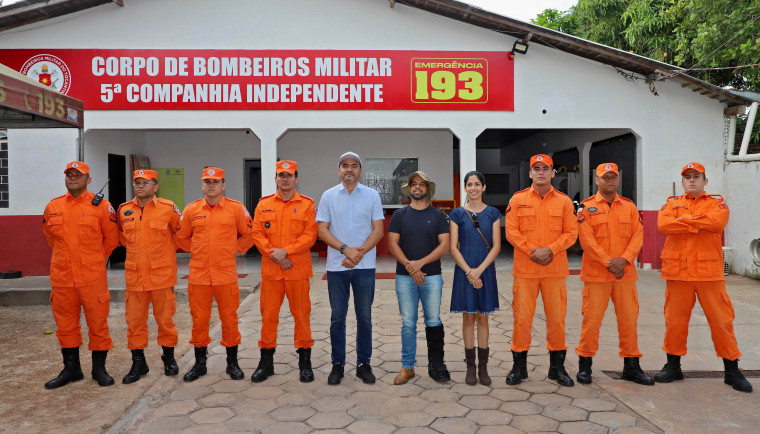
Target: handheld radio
[(98, 197)]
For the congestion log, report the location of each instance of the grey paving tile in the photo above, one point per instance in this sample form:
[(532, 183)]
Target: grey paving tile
[(612, 420), (248, 423), (594, 404), (334, 419), (490, 417), (454, 425), (211, 415), (581, 427), (447, 409), (565, 413), (534, 423), (292, 414)]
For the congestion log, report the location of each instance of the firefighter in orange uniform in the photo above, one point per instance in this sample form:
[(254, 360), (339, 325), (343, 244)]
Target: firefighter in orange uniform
[(611, 235), (148, 226), (541, 225), (82, 235), (284, 229), (213, 229), (692, 264)]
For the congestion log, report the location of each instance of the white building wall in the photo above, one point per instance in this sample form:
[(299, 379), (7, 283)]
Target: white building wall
[(317, 154), (741, 194), (553, 89), (36, 159), (194, 150)]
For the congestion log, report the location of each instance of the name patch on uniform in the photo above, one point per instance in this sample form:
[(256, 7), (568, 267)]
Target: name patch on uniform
[(525, 206), (53, 214), (267, 210), (196, 217), (128, 220), (128, 212), (680, 207)]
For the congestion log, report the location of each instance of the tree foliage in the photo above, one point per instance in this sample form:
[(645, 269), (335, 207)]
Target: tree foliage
[(685, 33)]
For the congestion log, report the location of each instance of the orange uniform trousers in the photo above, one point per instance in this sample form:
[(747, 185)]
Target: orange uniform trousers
[(164, 306), (680, 297), (67, 304), (227, 298), (554, 295), (273, 293), (596, 296)]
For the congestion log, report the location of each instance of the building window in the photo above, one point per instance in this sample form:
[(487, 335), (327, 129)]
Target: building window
[(386, 176), (4, 193)]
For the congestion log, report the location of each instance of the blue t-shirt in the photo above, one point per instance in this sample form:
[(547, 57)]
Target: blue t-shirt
[(419, 230)]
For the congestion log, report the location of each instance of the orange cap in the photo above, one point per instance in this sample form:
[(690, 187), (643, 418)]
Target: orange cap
[(81, 166), (541, 158), (693, 165), (606, 167), (287, 166), (213, 173), (145, 174)]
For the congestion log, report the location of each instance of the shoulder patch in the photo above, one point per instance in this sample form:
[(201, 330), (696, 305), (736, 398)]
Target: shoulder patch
[(717, 197)]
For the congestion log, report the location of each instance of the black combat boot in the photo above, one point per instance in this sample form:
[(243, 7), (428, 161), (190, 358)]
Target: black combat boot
[(306, 375), (72, 370), (632, 372), (671, 371), (99, 373), (233, 369), (734, 377), (139, 367), (266, 366), (436, 367), (199, 368), (557, 368), (519, 370), (584, 370), (170, 365)]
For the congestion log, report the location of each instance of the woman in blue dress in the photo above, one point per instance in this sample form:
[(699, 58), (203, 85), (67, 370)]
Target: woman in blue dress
[(475, 243)]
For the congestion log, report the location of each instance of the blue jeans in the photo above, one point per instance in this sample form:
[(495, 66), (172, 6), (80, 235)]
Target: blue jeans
[(409, 296), (363, 283)]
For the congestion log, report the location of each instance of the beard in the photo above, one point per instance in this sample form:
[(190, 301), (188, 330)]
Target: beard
[(418, 196)]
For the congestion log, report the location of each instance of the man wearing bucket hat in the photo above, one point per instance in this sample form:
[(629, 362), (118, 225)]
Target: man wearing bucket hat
[(213, 229), (350, 221), (148, 227), (284, 229), (611, 234), (541, 225), (418, 236), (692, 264), (82, 232)]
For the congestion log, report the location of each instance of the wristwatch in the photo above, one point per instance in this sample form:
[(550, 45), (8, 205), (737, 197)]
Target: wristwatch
[(342, 248)]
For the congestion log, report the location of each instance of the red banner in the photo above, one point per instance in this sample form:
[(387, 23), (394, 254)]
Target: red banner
[(273, 79)]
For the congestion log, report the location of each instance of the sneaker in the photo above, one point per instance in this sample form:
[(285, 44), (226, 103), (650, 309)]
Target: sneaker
[(336, 374), (364, 371)]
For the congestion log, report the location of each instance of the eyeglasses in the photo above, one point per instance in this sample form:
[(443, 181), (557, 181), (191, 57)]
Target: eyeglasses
[(76, 175), (142, 183), (475, 220)]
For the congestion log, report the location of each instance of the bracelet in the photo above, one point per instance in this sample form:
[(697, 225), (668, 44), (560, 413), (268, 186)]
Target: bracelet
[(342, 248)]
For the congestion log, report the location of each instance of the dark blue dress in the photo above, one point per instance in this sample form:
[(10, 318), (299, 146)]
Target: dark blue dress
[(465, 298)]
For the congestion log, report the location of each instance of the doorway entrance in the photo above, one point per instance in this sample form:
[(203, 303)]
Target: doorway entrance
[(117, 194), (252, 189)]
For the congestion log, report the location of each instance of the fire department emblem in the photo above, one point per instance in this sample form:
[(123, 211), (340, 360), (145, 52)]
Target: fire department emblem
[(608, 167), (74, 164), (211, 172), (141, 172), (48, 70), (539, 158), (690, 166), (285, 165)]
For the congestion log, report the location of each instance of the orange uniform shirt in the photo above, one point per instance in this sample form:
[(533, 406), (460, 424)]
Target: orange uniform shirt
[(148, 234), (693, 249), (533, 221), (213, 236), (609, 231), (82, 237), (291, 225)]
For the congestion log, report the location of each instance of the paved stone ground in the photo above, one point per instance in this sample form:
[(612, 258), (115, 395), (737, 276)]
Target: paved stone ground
[(282, 404)]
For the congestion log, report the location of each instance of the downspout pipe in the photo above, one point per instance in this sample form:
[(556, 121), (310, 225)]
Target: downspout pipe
[(745, 140)]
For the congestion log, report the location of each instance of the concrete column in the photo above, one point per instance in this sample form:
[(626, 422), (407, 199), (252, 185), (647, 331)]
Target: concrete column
[(268, 159), (584, 151), (467, 158)]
